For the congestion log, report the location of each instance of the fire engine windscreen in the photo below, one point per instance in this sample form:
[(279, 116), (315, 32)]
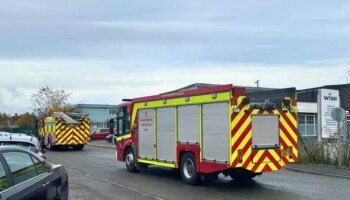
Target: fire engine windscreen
[(269, 99)]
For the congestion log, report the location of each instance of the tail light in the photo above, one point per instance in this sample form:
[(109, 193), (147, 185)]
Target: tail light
[(234, 102), (294, 102), (240, 156), (290, 149)]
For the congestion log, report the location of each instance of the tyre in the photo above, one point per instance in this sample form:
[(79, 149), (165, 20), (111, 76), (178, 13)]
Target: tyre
[(64, 194), (130, 160), (49, 146), (78, 147), (242, 175), (188, 169)]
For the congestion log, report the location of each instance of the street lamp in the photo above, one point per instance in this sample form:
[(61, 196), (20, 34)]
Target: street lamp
[(11, 120)]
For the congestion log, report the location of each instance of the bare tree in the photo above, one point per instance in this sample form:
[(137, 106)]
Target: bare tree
[(48, 100)]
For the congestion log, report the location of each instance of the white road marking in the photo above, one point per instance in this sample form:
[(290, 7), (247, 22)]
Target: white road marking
[(116, 184)]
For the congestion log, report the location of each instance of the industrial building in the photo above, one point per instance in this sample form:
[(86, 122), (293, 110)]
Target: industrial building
[(99, 114), (308, 105)]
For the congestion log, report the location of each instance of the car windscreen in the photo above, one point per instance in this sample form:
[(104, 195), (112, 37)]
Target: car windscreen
[(25, 145)]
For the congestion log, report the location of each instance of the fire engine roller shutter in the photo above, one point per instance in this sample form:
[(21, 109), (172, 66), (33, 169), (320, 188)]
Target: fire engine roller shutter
[(265, 131), (188, 124), (146, 133), (216, 131), (166, 134)]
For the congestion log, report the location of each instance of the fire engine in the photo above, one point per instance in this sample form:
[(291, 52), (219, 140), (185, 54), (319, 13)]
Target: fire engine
[(63, 130), (203, 132)]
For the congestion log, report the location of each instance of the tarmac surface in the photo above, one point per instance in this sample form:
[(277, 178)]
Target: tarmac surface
[(95, 174)]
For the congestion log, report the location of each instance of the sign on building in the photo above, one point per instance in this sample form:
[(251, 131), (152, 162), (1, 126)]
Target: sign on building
[(327, 101)]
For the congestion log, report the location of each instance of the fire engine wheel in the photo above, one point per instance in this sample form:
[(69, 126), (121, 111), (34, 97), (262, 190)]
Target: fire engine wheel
[(188, 169), (78, 147), (130, 160), (242, 175)]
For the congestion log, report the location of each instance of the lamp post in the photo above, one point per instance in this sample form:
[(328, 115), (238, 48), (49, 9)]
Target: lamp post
[(11, 122)]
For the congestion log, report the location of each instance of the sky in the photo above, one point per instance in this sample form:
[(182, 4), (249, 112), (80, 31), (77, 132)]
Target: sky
[(103, 51)]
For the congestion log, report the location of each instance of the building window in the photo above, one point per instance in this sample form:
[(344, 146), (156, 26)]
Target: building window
[(307, 124), (113, 112), (301, 119)]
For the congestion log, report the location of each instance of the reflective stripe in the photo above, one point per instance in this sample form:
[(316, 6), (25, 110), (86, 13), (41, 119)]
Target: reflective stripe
[(124, 137), (170, 165)]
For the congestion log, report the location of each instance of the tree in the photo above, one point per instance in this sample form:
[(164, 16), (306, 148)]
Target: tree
[(25, 120), (48, 100), (4, 121)]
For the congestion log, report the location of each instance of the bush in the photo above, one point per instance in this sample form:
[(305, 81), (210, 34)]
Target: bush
[(325, 153)]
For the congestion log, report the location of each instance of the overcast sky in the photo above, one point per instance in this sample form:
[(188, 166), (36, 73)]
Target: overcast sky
[(103, 51)]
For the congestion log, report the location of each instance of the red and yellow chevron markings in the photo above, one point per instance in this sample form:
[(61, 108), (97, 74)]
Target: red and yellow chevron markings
[(242, 154)]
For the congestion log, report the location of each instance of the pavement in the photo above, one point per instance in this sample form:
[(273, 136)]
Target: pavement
[(95, 174), (102, 144), (320, 170)]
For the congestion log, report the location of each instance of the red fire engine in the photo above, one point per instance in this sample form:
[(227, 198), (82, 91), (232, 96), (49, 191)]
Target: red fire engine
[(204, 132)]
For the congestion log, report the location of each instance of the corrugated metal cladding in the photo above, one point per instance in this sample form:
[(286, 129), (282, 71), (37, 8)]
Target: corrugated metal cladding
[(146, 133), (216, 131), (166, 134), (188, 124), (265, 130)]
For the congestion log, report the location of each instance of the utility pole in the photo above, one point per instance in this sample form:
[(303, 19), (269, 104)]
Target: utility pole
[(338, 114), (257, 83)]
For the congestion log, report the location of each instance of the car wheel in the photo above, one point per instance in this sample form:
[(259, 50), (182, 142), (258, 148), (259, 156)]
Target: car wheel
[(130, 160), (64, 194), (188, 169), (49, 146)]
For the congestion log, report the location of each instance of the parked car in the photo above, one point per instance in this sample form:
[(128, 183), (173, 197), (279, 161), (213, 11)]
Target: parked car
[(109, 138), (99, 134), (25, 175), (22, 140)]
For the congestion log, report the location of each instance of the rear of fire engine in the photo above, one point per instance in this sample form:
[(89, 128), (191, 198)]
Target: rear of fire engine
[(205, 132), (64, 130)]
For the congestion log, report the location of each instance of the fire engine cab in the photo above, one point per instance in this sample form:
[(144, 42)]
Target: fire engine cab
[(204, 132)]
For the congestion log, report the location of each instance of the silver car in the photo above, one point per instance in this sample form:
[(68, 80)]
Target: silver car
[(23, 140)]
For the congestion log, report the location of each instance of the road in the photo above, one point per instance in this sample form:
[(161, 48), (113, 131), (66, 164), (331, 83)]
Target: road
[(95, 174)]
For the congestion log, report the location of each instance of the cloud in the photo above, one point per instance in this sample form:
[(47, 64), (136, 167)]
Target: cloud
[(105, 51), (96, 81), (180, 32)]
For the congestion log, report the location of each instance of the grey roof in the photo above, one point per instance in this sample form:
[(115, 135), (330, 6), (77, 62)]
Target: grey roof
[(192, 87), (207, 85), (103, 106)]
